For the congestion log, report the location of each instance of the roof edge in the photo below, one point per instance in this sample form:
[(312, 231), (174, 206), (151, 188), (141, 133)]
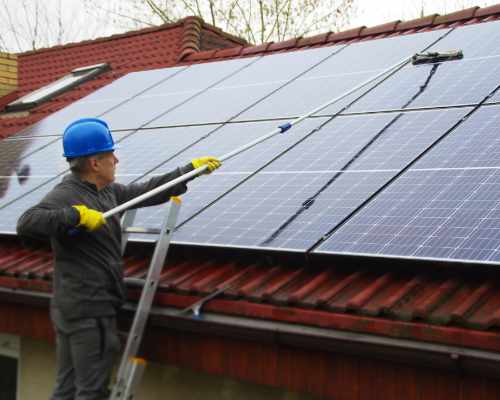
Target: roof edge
[(432, 21)]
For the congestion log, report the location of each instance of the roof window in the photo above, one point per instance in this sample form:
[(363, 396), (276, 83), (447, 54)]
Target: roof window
[(69, 81)]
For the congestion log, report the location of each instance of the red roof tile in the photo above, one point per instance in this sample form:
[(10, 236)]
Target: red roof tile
[(404, 301), (456, 16), (384, 28), (417, 23)]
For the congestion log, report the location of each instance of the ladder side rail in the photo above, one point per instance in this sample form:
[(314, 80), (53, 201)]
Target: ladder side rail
[(148, 292)]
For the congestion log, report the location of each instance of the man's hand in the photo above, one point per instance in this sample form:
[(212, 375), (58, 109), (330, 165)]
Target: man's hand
[(90, 219), (211, 162)]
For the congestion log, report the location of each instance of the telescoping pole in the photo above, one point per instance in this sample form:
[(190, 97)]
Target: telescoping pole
[(419, 58)]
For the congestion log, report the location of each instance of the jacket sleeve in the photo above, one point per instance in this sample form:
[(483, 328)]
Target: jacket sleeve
[(53, 216), (125, 193)]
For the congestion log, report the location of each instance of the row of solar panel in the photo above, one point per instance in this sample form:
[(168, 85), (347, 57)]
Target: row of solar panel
[(311, 186), (308, 181)]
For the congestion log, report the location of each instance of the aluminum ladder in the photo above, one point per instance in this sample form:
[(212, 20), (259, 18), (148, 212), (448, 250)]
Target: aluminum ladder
[(132, 367)]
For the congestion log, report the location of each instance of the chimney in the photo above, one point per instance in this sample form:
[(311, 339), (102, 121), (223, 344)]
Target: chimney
[(8, 73)]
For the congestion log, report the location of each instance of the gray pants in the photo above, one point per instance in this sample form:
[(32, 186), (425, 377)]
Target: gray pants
[(86, 350)]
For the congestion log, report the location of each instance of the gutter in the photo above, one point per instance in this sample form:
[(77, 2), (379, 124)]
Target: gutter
[(401, 351)]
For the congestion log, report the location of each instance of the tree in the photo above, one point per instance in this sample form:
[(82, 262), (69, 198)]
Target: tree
[(33, 24), (257, 21)]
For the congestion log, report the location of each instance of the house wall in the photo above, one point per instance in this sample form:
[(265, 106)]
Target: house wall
[(227, 362), (37, 376), (8, 73)]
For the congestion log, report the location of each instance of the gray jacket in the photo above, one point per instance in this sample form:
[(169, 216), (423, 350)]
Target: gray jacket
[(88, 270)]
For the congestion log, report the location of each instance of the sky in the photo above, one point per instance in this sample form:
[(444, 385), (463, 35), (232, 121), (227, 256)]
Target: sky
[(78, 25)]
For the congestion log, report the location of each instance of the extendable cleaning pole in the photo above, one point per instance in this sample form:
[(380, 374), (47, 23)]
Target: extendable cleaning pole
[(419, 58)]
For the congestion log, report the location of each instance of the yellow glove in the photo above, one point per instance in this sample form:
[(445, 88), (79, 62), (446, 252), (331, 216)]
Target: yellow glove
[(211, 162), (90, 219)]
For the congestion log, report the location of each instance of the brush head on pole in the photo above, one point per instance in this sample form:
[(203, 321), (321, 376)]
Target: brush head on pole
[(436, 57)]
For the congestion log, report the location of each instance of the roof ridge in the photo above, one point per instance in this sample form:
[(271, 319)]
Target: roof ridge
[(137, 32), (192, 26), (432, 21), (191, 38)]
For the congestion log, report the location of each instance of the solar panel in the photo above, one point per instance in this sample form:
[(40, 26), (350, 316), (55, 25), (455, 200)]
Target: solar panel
[(32, 170), (164, 98), (145, 150), (433, 85), (100, 101), (475, 40), (13, 150), (248, 86), (38, 188), (352, 66), (231, 136), (445, 207), (294, 201)]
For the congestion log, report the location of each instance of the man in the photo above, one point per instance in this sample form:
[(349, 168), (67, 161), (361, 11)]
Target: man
[(88, 279)]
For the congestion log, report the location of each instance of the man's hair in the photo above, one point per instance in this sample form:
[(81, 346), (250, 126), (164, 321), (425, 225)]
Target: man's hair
[(79, 165)]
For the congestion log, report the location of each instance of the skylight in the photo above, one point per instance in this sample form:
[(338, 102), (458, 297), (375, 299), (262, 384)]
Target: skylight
[(53, 89)]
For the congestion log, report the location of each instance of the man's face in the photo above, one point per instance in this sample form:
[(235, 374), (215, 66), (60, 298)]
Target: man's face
[(105, 167)]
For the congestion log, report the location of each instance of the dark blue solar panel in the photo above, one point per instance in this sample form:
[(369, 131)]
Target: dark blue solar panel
[(230, 97), (32, 170), (166, 97), (267, 211), (206, 189), (451, 83), (352, 66), (445, 207), (475, 40), (38, 188), (298, 198), (145, 150), (13, 150), (100, 101)]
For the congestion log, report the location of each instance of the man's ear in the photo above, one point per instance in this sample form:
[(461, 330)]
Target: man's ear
[(93, 164)]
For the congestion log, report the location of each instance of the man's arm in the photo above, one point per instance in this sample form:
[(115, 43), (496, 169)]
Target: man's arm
[(125, 193), (53, 216)]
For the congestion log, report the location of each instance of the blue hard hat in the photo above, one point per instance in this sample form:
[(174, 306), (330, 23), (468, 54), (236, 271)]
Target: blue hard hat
[(87, 136)]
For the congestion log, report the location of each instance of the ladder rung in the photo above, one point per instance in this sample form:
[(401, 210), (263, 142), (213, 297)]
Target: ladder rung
[(135, 281), (135, 229)]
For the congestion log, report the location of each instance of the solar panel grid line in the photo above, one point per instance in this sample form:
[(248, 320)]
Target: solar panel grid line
[(398, 110), (388, 183)]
